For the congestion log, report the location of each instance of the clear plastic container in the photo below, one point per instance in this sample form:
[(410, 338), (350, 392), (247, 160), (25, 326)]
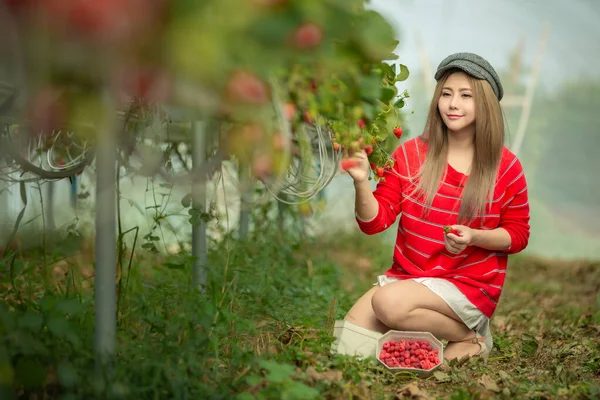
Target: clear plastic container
[(405, 335)]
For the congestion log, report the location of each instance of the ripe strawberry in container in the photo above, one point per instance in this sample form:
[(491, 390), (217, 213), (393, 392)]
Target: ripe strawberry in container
[(418, 352)]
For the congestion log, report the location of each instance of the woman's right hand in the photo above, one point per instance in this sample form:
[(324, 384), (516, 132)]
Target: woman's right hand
[(360, 173)]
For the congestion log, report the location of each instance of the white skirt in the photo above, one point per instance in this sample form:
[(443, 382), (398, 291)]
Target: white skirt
[(472, 317)]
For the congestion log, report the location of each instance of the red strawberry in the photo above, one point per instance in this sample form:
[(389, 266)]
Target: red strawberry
[(380, 172), (361, 124), (398, 132), (336, 146), (449, 229), (348, 163), (368, 149), (373, 166)]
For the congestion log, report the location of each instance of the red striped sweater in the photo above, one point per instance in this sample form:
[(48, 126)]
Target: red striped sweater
[(420, 249)]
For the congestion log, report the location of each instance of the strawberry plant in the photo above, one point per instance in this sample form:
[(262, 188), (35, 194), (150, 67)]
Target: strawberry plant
[(265, 70)]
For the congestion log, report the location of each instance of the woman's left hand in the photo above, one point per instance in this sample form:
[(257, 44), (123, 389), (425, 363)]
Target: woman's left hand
[(458, 238)]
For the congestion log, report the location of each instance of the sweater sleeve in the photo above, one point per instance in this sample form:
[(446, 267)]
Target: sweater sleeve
[(388, 194), (515, 211)]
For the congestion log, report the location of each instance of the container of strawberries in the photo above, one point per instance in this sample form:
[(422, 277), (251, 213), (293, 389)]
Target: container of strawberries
[(417, 352)]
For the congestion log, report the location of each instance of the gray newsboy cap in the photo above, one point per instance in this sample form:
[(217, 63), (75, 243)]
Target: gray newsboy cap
[(473, 65)]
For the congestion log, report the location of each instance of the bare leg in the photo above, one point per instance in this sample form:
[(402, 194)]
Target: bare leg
[(411, 306), (362, 313)]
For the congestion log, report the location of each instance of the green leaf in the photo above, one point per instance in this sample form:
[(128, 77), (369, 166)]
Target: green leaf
[(245, 396), (187, 200), (48, 303), (195, 220), (404, 73), (277, 372), (300, 391), (7, 319), (30, 372), (28, 345), (70, 306), (253, 380), (59, 326), (387, 94), (529, 345), (31, 321), (370, 87), (7, 374), (375, 36), (389, 71), (67, 375), (441, 376), (399, 103)]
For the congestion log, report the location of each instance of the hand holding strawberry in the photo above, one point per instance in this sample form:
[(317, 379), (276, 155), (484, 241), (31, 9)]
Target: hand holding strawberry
[(457, 238), (357, 166)]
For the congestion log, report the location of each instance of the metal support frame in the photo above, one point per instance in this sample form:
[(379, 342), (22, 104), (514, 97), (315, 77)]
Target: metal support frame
[(245, 182), (106, 252), (199, 245), (49, 203)]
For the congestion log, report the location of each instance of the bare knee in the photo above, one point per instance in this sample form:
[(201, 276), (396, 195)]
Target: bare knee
[(388, 309), (361, 313)]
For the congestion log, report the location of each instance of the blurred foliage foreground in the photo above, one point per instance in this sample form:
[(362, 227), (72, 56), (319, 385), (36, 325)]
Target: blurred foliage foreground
[(262, 69), (262, 330)]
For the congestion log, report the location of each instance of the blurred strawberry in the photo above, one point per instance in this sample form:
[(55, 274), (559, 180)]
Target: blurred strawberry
[(308, 36), (104, 20), (246, 87), (290, 111), (150, 83), (262, 165)]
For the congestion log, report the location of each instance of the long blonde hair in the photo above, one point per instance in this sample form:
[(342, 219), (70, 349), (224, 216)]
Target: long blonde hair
[(489, 143)]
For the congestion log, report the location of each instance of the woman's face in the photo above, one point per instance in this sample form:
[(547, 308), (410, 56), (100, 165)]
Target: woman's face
[(456, 105)]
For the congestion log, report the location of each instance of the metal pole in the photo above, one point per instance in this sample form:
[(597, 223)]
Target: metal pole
[(106, 255), (199, 250), (74, 191), (244, 184), (50, 225)]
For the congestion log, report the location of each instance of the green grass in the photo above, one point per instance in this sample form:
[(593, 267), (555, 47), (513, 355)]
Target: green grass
[(263, 329)]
